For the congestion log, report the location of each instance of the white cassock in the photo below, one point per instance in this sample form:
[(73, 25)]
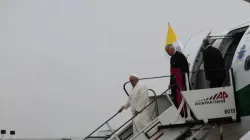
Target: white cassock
[(137, 100)]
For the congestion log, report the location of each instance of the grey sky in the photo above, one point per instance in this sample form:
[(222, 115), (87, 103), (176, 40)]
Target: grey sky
[(63, 63)]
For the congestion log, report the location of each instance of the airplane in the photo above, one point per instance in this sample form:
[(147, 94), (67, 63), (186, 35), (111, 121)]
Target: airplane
[(221, 113)]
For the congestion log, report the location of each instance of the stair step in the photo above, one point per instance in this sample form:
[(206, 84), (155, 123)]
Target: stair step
[(187, 124), (198, 122)]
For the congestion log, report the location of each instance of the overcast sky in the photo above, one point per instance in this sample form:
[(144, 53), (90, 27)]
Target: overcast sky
[(63, 62)]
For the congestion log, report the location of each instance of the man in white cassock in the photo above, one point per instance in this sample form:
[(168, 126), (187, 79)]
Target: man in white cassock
[(137, 100)]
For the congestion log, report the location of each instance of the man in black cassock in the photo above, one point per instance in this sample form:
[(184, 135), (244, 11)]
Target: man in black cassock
[(178, 63), (214, 65)]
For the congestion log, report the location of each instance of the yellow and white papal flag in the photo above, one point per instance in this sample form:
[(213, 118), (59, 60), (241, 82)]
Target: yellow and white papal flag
[(173, 39)]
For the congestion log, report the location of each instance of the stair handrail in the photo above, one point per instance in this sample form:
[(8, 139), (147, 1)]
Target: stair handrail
[(101, 125), (146, 78), (157, 77), (156, 107), (126, 121), (115, 115)]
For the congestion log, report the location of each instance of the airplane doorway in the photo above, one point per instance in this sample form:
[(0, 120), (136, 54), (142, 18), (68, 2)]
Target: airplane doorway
[(230, 48), (236, 37), (227, 45)]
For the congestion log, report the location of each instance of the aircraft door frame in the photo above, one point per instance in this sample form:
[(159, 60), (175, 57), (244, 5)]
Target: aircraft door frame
[(192, 52), (239, 60)]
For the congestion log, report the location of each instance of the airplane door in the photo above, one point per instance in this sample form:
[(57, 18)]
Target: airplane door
[(240, 63), (192, 53), (241, 71)]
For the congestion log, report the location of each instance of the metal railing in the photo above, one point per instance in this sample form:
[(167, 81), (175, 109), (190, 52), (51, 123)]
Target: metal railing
[(106, 122), (156, 107), (124, 85)]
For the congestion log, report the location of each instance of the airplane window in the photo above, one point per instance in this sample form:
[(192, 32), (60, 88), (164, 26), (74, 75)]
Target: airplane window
[(247, 63)]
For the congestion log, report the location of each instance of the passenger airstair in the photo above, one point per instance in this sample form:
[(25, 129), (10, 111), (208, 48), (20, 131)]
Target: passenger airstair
[(211, 107)]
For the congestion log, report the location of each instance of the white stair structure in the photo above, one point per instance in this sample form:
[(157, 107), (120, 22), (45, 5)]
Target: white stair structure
[(209, 106)]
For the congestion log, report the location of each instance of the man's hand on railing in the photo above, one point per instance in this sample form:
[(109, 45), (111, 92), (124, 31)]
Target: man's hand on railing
[(120, 110)]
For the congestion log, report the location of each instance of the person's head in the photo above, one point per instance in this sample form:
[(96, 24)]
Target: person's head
[(133, 79), (170, 49), (206, 42)]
